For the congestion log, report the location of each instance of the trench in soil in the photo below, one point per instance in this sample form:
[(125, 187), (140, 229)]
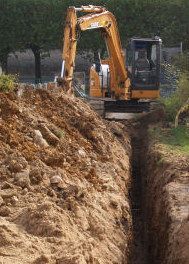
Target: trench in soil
[(139, 143)]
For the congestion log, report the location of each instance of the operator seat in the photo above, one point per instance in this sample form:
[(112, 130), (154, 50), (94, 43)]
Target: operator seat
[(142, 68), (142, 63)]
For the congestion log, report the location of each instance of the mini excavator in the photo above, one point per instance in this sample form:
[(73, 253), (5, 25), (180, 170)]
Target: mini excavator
[(122, 88)]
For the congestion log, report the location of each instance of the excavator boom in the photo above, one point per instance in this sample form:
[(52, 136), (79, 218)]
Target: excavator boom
[(99, 18)]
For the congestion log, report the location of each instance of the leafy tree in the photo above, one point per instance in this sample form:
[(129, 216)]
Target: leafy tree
[(178, 29), (40, 25), (34, 24), (145, 18), (8, 31)]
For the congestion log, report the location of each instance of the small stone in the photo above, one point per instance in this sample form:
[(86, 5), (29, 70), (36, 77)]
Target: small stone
[(1, 201), (22, 179), (114, 204), (41, 260), (19, 92), (17, 164), (50, 137), (15, 167), (31, 188), (35, 176), (56, 179), (7, 193), (82, 153), (25, 191), (5, 211), (7, 185), (39, 140), (14, 200), (51, 193), (24, 162)]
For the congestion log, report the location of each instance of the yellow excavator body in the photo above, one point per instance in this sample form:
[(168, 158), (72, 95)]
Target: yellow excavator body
[(118, 83)]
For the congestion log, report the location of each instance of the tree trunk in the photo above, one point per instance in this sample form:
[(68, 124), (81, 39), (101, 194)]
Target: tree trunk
[(37, 54), (4, 62)]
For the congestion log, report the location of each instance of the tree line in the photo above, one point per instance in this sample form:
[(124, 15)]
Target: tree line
[(38, 24)]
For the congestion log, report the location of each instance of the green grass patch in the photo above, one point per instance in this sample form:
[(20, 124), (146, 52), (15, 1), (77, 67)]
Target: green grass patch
[(178, 99), (176, 139)]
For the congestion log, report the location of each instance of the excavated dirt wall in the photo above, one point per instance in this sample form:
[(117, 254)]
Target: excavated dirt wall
[(159, 198), (167, 206)]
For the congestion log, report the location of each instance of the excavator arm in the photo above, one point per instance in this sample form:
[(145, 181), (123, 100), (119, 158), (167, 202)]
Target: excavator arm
[(98, 18), (69, 49)]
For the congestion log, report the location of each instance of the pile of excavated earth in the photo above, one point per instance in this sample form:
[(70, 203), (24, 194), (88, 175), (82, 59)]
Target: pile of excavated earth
[(64, 181), (76, 189)]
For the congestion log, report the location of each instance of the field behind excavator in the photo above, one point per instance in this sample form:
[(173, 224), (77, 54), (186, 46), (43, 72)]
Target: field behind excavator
[(77, 189)]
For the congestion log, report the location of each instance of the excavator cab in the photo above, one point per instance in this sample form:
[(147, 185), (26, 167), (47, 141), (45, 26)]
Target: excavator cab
[(145, 68)]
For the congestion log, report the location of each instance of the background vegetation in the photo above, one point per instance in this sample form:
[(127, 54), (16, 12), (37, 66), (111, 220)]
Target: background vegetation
[(7, 82), (175, 139), (38, 24), (174, 103)]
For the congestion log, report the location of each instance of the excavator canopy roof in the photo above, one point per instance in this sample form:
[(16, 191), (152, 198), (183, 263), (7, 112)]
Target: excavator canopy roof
[(155, 40)]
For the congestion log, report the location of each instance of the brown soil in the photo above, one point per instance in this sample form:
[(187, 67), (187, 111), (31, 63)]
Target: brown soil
[(160, 199), (64, 182), (75, 189), (167, 204)]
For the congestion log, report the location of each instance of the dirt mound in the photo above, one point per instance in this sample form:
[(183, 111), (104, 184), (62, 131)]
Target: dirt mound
[(64, 182)]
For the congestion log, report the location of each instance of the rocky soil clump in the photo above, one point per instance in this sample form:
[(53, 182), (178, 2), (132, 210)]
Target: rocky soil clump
[(64, 180)]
